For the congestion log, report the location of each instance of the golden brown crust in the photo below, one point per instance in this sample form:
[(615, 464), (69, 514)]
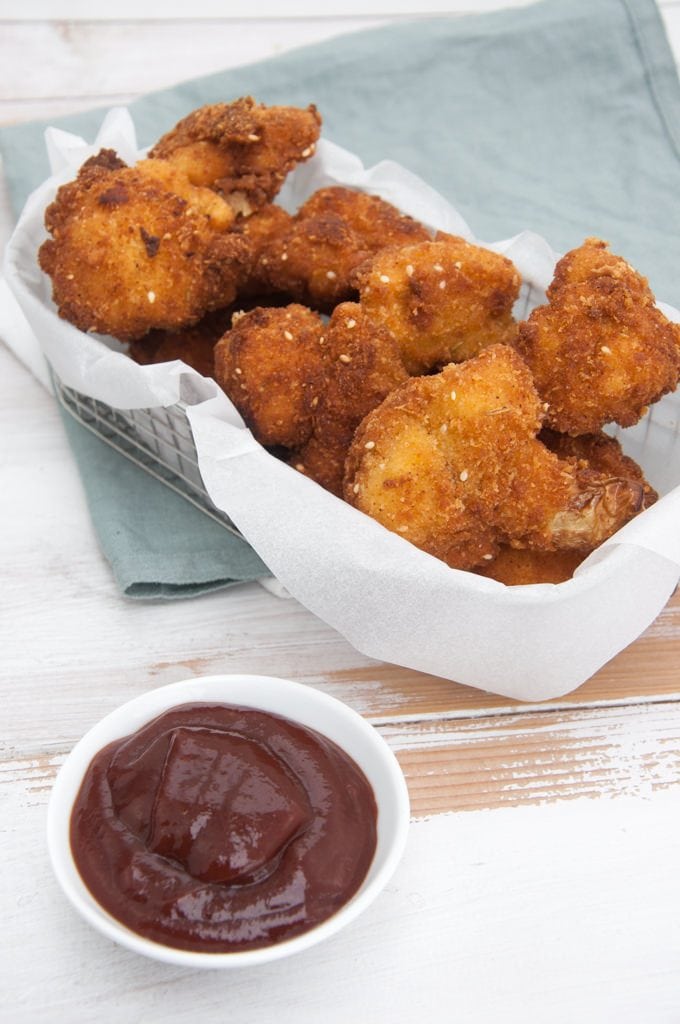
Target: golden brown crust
[(520, 567), (452, 463), (600, 453), (362, 366), (330, 236), (270, 365), (243, 149), (443, 301), (263, 229), (600, 351), (137, 248)]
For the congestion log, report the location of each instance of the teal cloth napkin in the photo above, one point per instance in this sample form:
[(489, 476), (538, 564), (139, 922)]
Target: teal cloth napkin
[(562, 117)]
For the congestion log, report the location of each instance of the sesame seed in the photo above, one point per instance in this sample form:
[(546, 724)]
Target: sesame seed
[(351, 324), (487, 558), (369, 445), (439, 268), (458, 265), (444, 427), (606, 349), (253, 138), (409, 270), (315, 401), (384, 278), (403, 529), (464, 475), (284, 257), (322, 340), (356, 488), (331, 275), (238, 370), (344, 358), (300, 467), (453, 396), (442, 284), (151, 296), (166, 236), (546, 406), (307, 152), (288, 336), (69, 277)]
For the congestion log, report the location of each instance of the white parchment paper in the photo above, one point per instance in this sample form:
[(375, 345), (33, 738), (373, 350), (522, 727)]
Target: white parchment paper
[(389, 599)]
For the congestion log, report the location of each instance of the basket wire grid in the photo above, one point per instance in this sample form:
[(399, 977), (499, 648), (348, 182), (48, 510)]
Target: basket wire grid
[(158, 440)]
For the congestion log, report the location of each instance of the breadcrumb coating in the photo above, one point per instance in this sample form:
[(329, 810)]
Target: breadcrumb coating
[(270, 365), (362, 366), (243, 150), (137, 248), (452, 463), (335, 231), (600, 351), (443, 300)]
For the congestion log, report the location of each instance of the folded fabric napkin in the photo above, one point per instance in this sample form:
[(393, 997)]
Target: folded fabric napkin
[(562, 117)]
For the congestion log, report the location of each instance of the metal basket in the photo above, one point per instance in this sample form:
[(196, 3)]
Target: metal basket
[(158, 440)]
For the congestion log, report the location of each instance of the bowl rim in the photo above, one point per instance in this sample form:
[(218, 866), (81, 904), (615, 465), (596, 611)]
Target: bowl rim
[(130, 716)]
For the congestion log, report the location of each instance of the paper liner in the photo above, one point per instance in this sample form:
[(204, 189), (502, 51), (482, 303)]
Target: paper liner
[(389, 599)]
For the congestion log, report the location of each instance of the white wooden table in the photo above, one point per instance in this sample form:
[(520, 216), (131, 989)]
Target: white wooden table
[(541, 879)]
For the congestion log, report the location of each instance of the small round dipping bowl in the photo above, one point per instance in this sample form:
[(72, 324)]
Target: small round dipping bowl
[(299, 703)]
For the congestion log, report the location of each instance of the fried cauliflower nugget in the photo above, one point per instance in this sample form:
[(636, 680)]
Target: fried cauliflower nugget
[(243, 149), (362, 366), (600, 351), (452, 463), (137, 248), (330, 236), (443, 300), (270, 366)]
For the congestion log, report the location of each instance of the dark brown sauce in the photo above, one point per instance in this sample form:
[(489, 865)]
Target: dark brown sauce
[(218, 828)]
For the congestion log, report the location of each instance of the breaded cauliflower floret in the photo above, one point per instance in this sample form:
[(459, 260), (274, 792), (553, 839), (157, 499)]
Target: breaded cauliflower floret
[(243, 150), (452, 463), (600, 351), (443, 301), (137, 248), (330, 236), (270, 365)]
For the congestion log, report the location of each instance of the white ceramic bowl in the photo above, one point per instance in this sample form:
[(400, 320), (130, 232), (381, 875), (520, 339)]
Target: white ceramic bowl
[(301, 704)]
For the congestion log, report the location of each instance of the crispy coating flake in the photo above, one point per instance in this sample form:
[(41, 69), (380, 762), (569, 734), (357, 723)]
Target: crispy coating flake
[(335, 231), (362, 366), (443, 300), (137, 248), (243, 149), (600, 351), (270, 365), (452, 463), (263, 229)]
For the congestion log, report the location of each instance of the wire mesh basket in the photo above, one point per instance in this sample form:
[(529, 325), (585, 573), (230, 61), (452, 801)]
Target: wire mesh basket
[(158, 440)]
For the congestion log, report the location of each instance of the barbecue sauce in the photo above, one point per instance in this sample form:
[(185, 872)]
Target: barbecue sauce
[(218, 828)]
